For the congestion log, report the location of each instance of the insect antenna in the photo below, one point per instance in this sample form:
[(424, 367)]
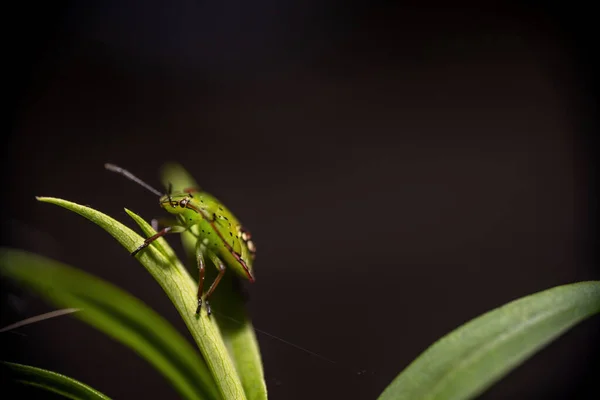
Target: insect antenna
[(169, 191), (130, 176)]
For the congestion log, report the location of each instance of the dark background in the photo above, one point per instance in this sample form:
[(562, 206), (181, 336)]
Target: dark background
[(402, 169)]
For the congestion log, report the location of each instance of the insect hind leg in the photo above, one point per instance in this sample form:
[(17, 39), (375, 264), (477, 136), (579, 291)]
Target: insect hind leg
[(221, 268)]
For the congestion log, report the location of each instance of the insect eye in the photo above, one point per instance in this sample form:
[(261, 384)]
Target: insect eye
[(183, 203)]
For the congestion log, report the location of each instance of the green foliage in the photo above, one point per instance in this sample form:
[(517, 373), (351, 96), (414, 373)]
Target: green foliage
[(116, 313), (50, 381), (467, 361), (179, 286), (461, 365)]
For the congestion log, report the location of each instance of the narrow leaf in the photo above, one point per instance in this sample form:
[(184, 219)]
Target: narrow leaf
[(116, 313), (177, 283), (467, 361), (227, 303), (50, 381), (39, 318)]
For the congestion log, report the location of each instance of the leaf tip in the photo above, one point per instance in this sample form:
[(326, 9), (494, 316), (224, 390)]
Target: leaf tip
[(47, 199)]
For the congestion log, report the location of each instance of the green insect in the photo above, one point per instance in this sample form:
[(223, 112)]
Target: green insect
[(221, 237)]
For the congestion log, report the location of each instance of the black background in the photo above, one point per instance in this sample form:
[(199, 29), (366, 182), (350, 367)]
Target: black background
[(403, 170)]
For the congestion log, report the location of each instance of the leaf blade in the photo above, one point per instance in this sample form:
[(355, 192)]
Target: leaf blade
[(116, 313), (177, 283), (465, 362), (52, 382)]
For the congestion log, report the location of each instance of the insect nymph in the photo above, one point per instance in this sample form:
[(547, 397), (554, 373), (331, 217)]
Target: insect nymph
[(221, 237)]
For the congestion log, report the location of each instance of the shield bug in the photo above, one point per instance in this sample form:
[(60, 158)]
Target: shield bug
[(221, 237)]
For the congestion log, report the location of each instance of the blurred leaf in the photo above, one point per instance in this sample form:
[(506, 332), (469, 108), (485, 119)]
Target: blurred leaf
[(39, 318), (179, 286), (226, 302), (50, 381), (116, 313), (464, 363)]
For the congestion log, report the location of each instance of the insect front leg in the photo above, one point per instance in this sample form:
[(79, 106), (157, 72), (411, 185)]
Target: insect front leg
[(161, 233)]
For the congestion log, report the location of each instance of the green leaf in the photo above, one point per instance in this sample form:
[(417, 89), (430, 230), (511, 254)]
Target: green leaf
[(50, 381), (464, 363), (179, 286), (227, 304), (116, 313)]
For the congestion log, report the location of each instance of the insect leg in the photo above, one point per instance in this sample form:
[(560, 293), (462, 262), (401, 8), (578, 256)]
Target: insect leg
[(161, 233), (221, 267), (201, 269)]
